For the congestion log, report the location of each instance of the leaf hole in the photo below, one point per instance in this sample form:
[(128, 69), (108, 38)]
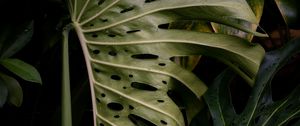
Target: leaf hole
[(133, 31), (137, 120), (96, 70), (103, 95), (100, 2), (112, 53), (164, 26), (104, 20), (91, 25), (101, 124), (149, 1), (164, 82), (115, 106), (115, 77), (94, 35), (144, 56), (163, 122), (130, 75), (111, 35), (143, 86), (96, 51), (160, 101), (162, 64), (98, 100), (131, 107), (127, 10), (117, 116), (124, 87)]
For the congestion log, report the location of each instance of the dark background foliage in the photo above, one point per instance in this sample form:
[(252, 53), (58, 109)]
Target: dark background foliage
[(41, 105)]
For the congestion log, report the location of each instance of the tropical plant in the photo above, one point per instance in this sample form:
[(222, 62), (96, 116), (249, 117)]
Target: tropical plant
[(129, 47), (154, 62)]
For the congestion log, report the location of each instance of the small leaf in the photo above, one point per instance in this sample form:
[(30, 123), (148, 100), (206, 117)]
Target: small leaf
[(3, 93), (15, 92), (22, 69)]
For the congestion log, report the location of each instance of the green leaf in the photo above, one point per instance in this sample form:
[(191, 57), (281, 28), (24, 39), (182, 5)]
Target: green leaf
[(22, 69), (260, 99), (15, 93), (3, 93), (218, 99), (257, 7), (127, 47), (16, 39)]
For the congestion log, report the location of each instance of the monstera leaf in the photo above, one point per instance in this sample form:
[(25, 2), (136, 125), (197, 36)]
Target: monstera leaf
[(129, 49), (261, 109)]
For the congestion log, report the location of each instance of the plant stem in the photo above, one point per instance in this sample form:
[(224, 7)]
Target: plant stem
[(66, 118)]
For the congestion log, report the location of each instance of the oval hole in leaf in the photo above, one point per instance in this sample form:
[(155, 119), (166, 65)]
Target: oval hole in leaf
[(145, 56), (96, 51), (127, 10), (112, 53), (149, 1), (115, 106), (164, 26), (162, 64), (131, 107), (143, 86), (115, 77), (100, 2), (160, 101), (137, 120), (103, 20), (96, 70), (94, 35), (101, 124), (163, 122), (133, 31), (117, 116), (98, 100), (111, 35)]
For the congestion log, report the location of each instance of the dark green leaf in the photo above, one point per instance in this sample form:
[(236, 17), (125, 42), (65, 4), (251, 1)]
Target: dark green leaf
[(272, 63), (22, 69), (3, 93), (15, 93), (219, 101), (16, 39), (290, 11)]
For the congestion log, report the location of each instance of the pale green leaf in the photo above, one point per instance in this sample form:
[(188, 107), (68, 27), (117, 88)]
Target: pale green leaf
[(257, 7), (22, 69), (127, 47)]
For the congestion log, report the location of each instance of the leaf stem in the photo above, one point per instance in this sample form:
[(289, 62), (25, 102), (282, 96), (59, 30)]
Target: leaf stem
[(66, 92)]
